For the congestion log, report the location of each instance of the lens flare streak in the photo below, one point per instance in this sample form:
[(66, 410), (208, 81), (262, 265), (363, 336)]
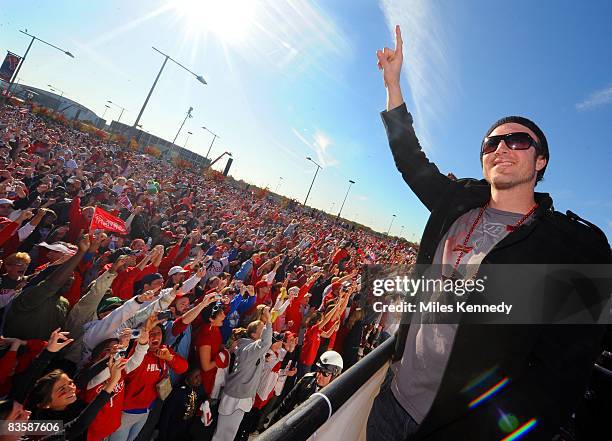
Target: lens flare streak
[(488, 394), (524, 429)]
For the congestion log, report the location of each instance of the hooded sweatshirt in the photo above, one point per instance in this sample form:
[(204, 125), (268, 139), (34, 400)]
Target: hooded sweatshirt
[(140, 386), (244, 380)]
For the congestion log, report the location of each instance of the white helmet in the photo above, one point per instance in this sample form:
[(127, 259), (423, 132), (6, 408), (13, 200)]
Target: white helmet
[(331, 362)]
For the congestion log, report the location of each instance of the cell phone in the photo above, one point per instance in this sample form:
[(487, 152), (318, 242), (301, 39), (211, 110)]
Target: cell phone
[(121, 354), (164, 315), (135, 333)]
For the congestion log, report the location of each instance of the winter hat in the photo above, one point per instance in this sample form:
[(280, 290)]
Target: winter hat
[(149, 278), (542, 150), (108, 304)]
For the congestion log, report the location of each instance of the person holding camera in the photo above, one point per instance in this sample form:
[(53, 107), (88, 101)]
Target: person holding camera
[(141, 385)]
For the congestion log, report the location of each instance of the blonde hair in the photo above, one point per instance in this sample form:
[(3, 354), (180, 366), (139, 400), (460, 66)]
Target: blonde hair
[(259, 312), (23, 258), (252, 327)]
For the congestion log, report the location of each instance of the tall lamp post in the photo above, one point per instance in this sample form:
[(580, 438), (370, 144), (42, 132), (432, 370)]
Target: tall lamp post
[(106, 108), (188, 115), (351, 182), (166, 58), (117, 105), (392, 219), (401, 230), (215, 136), (313, 179), (279, 183), (10, 86), (187, 139), (55, 90)]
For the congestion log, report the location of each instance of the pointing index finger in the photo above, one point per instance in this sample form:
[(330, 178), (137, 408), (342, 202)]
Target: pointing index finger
[(398, 38)]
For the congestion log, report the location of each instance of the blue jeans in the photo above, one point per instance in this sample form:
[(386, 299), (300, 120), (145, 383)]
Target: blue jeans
[(388, 421), (130, 426)]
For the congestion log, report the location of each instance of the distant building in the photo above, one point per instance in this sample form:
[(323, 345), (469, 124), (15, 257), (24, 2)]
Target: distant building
[(168, 149), (67, 107), (73, 110)]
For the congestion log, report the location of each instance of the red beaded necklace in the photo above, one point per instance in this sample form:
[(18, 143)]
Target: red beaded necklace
[(464, 248)]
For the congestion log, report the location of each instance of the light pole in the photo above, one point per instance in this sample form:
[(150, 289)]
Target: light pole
[(106, 108), (279, 183), (392, 219), (10, 86), (345, 196), (187, 139), (215, 136), (188, 115), (55, 90), (401, 230), (313, 179), (117, 105), (166, 58), (331, 210)]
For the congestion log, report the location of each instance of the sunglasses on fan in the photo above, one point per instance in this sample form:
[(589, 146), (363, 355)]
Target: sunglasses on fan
[(514, 141)]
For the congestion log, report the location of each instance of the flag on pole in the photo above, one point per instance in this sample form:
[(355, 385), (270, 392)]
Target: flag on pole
[(125, 201), (103, 220), (9, 66)]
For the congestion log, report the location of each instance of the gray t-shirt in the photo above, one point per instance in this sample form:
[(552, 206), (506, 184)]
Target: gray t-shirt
[(428, 346)]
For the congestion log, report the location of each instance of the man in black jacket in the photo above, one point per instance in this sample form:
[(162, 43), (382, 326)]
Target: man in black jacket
[(532, 375), (329, 366)]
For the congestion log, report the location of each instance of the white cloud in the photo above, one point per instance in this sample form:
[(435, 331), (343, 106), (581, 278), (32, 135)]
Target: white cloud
[(598, 98), (426, 59), (319, 144)]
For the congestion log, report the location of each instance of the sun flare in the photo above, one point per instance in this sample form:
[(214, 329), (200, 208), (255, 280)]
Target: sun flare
[(230, 21)]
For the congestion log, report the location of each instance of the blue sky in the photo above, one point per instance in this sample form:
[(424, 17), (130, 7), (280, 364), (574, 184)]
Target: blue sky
[(290, 79)]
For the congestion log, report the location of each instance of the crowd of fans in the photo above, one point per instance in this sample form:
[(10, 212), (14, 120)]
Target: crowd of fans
[(219, 312)]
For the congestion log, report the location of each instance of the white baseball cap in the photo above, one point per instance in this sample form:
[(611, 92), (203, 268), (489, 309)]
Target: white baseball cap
[(176, 270)]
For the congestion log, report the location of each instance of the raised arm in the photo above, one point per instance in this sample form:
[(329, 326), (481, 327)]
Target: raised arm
[(420, 174), (193, 313), (63, 273)]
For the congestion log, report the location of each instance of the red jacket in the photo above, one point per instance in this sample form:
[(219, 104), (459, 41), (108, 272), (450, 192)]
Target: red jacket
[(78, 222), (108, 419), (123, 285), (293, 311), (8, 229), (12, 363), (140, 390)]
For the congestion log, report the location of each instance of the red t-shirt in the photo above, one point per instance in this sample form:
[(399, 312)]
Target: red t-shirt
[(339, 255), (209, 336), (312, 340)]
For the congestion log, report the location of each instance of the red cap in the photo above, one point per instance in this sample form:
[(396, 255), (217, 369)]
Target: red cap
[(261, 284)]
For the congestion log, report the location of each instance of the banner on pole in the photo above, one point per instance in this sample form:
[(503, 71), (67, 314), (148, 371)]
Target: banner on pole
[(9, 66)]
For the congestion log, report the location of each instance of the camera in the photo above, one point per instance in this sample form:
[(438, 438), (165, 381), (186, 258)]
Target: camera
[(165, 315)]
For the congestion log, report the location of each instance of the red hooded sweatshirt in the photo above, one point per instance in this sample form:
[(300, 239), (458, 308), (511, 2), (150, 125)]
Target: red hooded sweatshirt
[(140, 390)]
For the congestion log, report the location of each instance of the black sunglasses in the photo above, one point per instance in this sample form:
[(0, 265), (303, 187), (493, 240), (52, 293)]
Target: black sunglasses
[(514, 141)]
